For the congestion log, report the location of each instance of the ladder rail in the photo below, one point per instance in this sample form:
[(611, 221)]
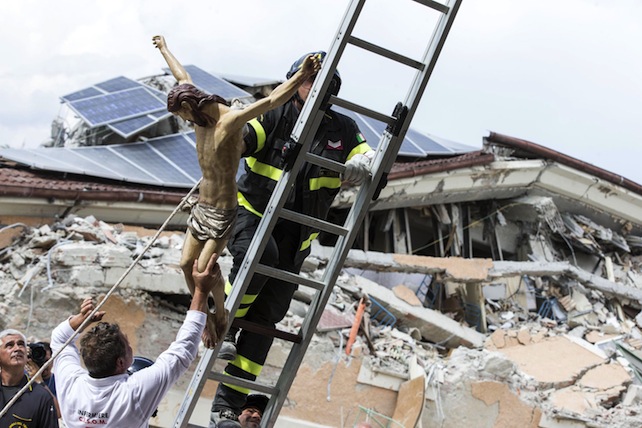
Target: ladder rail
[(303, 133)]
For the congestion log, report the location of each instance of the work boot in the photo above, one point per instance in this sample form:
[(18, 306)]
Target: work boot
[(228, 347), (225, 418)]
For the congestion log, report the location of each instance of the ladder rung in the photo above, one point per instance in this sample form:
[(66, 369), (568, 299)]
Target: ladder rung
[(316, 223), (434, 5), (288, 277), (360, 109), (266, 331), (325, 163), (387, 53), (243, 383)]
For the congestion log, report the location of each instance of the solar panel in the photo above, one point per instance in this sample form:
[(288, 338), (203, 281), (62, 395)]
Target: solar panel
[(415, 144), (146, 156), (82, 94), (453, 145), (112, 85), (158, 94), (161, 114), (37, 158), (422, 143), (117, 106), (165, 161), (214, 85), (59, 159), (127, 128), (181, 152), (118, 84), (116, 163)]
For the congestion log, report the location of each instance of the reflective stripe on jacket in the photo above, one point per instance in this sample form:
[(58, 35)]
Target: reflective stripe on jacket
[(338, 138)]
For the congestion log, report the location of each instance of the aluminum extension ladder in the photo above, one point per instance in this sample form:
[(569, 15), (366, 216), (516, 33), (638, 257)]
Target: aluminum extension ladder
[(303, 133)]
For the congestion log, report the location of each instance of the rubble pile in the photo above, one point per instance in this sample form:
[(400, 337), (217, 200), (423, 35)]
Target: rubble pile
[(45, 272), (556, 352)]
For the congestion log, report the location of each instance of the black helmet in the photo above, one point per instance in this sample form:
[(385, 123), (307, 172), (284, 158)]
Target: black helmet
[(336, 79), (139, 363)]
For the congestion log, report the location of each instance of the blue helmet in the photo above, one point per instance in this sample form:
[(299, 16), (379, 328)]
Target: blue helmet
[(140, 363), (336, 79)]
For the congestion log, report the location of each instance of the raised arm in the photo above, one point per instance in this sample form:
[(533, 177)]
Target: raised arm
[(86, 307), (279, 96), (180, 74)]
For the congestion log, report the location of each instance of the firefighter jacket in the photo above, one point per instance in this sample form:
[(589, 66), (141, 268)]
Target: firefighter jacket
[(338, 138)]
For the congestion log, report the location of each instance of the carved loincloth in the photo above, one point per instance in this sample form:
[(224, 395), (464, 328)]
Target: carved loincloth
[(208, 222)]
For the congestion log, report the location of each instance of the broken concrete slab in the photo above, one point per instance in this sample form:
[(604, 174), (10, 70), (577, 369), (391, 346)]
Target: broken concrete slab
[(555, 362), (504, 268), (605, 377), (334, 319), (465, 270), (575, 400), (407, 295), (371, 374), (410, 401), (633, 395), (75, 254), (512, 412), (433, 325)]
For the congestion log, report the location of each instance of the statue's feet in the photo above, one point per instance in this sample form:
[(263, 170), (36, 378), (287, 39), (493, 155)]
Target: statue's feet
[(210, 333), (221, 323)]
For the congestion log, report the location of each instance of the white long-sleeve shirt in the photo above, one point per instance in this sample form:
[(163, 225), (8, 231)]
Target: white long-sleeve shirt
[(122, 400)]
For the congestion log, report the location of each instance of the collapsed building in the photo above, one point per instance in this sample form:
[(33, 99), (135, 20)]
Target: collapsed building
[(502, 285)]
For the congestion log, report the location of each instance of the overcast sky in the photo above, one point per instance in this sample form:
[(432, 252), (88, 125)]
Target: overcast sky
[(566, 74)]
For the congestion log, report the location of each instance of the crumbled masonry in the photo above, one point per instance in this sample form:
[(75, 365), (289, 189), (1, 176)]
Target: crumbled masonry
[(575, 361)]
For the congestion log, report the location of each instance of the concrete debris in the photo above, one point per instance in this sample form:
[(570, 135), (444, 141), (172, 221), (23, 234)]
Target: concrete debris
[(539, 343)]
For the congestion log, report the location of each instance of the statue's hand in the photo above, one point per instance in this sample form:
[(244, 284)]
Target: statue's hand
[(311, 65), (159, 42)]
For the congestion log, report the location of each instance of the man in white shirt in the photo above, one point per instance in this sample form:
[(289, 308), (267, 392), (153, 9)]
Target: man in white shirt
[(105, 394)]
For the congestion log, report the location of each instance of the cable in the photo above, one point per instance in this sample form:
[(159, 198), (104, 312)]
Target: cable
[(89, 318)]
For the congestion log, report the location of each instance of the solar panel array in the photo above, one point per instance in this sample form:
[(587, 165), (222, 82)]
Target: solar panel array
[(168, 161), (124, 105), (171, 161), (128, 107)]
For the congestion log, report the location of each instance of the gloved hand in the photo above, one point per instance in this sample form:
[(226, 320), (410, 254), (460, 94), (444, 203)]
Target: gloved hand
[(357, 170)]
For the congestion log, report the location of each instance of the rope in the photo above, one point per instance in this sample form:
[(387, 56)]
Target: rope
[(89, 318)]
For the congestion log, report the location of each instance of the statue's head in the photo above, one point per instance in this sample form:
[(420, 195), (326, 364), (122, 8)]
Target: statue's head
[(188, 96)]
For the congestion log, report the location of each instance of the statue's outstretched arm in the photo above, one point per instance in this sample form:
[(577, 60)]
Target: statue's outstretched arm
[(279, 96), (180, 74)]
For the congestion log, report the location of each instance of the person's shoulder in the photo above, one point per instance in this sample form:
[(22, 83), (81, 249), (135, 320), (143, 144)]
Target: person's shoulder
[(40, 391)]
